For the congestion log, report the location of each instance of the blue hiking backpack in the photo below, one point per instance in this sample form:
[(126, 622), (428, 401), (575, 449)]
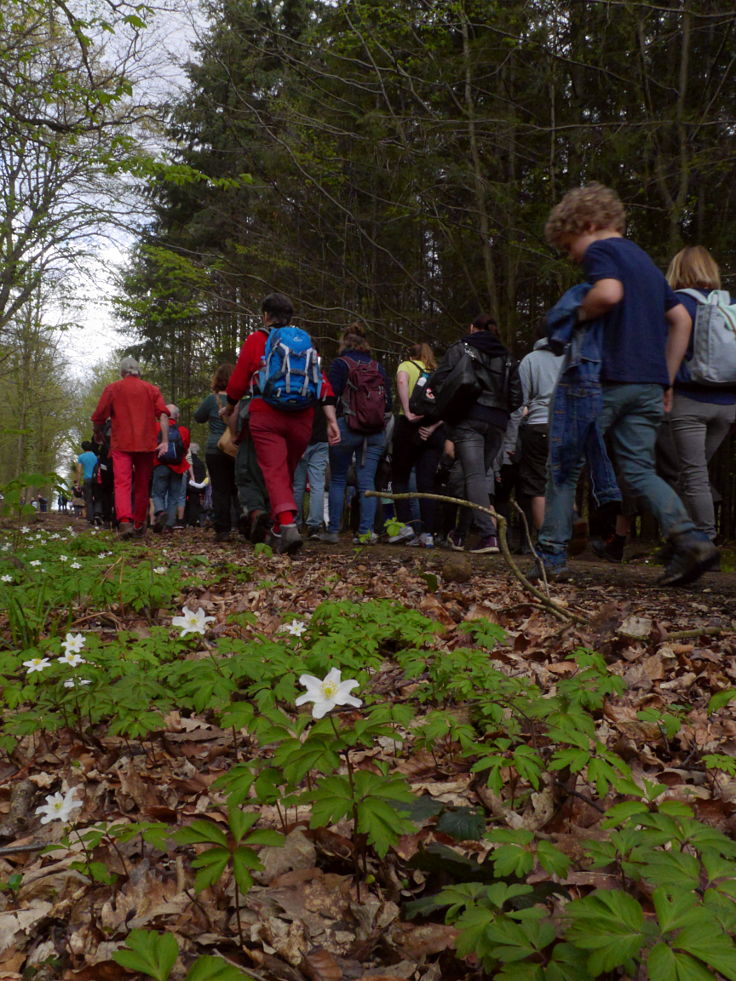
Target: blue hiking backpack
[(290, 378), (175, 452)]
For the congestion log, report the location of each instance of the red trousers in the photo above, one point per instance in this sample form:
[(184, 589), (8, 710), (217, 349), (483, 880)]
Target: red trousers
[(132, 481), (280, 439)]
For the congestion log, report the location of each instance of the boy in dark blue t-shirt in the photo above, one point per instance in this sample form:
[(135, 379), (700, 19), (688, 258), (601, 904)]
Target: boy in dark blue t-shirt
[(646, 332)]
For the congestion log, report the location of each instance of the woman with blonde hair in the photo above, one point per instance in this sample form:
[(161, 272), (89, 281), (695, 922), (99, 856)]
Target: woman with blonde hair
[(701, 416), (417, 444)]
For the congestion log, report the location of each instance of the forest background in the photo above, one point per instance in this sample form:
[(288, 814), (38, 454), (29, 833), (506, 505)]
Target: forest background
[(393, 163)]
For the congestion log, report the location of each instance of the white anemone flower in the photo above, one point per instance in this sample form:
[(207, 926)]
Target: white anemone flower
[(35, 562), (160, 570), (73, 643), (72, 682), (36, 664), (75, 565), (63, 558), (59, 807), (296, 628), (6, 578), (328, 693), (72, 659), (191, 621)]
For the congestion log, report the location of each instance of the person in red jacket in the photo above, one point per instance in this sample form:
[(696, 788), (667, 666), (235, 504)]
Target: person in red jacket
[(279, 437), (137, 413)]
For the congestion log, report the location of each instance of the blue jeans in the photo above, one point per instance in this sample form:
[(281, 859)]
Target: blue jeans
[(367, 451), (165, 491), (632, 413), (313, 465)]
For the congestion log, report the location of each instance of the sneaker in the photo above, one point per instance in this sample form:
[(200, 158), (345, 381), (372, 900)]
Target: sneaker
[(328, 537), (612, 549), (289, 540), (367, 538), (486, 546), (425, 540), (694, 554), (126, 529), (179, 525), (159, 522), (455, 540), (404, 535), (313, 534), (257, 526)]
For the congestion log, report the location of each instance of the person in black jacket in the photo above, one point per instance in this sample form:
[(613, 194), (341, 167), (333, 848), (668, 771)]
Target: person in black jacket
[(477, 437)]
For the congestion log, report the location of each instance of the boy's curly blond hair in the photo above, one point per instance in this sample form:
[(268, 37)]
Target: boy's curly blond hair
[(582, 207)]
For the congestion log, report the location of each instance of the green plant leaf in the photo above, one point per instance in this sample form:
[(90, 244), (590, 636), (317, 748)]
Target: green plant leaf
[(212, 864), (209, 968), (463, 823), (707, 945), (149, 953), (201, 832), (608, 923), (664, 964)]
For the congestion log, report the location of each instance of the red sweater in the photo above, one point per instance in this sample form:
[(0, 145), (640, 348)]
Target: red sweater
[(135, 407)]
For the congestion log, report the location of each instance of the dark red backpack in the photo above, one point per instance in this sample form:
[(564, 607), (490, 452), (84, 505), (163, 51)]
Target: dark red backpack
[(364, 397)]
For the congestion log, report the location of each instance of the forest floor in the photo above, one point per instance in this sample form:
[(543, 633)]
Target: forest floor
[(467, 720)]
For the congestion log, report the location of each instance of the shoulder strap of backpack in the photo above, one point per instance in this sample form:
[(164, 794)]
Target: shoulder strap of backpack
[(695, 294)]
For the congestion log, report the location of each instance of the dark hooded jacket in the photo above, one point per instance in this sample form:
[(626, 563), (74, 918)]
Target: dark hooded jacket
[(502, 393)]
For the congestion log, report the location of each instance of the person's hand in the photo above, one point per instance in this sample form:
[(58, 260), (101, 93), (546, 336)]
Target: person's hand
[(162, 447), (225, 412), (667, 399), (412, 417), (333, 433), (425, 432)]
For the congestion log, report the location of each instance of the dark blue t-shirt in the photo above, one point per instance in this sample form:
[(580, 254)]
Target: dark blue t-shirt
[(635, 329)]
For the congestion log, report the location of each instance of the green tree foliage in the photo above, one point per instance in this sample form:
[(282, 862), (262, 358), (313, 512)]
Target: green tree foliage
[(402, 159)]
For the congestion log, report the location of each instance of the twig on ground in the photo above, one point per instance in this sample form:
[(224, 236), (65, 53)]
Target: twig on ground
[(555, 609)]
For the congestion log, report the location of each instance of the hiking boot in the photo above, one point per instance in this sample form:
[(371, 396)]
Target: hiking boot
[(612, 549), (126, 529), (557, 574), (455, 540), (159, 522), (289, 540), (367, 538), (425, 540), (139, 531), (486, 546), (258, 526), (694, 554), (313, 534), (328, 537), (403, 536), (243, 524)]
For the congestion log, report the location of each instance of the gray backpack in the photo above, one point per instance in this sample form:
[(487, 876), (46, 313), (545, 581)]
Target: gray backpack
[(714, 340)]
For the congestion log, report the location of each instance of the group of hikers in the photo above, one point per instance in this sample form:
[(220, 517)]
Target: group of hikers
[(616, 354)]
